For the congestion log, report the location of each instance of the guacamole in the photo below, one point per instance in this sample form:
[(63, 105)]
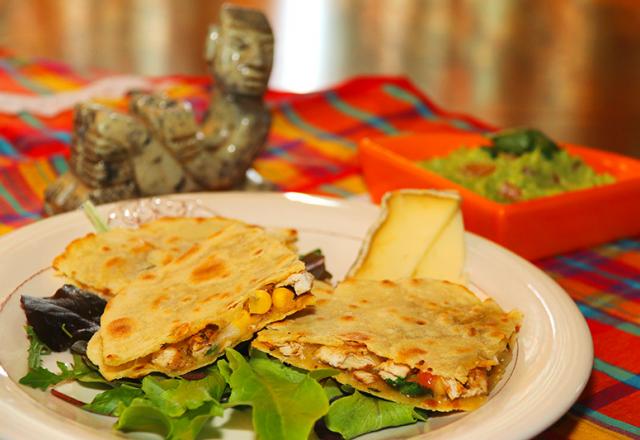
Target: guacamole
[(519, 165)]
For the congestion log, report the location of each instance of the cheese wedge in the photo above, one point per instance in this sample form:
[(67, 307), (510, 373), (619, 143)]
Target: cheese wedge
[(444, 260), (419, 234)]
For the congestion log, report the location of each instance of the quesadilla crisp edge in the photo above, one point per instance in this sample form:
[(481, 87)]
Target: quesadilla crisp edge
[(183, 315), (428, 343)]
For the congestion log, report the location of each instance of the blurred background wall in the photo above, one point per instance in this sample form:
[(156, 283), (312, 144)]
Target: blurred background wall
[(571, 68)]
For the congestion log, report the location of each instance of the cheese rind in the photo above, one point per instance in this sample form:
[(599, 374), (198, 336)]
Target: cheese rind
[(410, 224)]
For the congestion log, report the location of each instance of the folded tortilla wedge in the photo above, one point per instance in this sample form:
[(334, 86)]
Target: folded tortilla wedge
[(182, 315), (431, 344), (106, 262)]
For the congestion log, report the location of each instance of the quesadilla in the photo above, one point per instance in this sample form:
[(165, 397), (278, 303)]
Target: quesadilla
[(106, 262), (428, 343), (182, 315)]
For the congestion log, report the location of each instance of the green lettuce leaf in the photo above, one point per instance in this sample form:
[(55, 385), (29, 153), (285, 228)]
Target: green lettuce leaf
[(286, 403), (113, 401), (175, 396), (36, 348), (358, 414), (225, 369), (42, 378), (332, 389), (323, 373), (143, 415), (174, 408)]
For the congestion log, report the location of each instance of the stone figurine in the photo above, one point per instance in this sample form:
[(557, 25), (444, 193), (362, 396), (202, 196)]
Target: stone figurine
[(158, 147)]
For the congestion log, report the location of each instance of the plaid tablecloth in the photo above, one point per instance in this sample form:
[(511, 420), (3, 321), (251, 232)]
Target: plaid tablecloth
[(312, 148)]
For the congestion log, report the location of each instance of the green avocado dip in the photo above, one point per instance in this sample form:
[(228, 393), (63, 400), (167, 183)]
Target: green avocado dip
[(520, 164)]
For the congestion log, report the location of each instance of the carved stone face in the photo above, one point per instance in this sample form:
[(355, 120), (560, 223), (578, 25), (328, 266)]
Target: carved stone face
[(243, 58)]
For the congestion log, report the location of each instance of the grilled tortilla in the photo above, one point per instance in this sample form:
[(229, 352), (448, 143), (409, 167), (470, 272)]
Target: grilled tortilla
[(431, 344), (106, 262), (182, 315)]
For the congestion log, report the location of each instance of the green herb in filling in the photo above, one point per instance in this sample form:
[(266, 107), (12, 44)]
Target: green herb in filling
[(408, 388)]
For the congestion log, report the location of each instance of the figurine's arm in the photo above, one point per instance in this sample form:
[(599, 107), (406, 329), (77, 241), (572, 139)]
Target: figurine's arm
[(225, 165), (103, 143)]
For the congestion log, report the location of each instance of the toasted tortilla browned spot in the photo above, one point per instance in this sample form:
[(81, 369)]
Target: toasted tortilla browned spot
[(143, 248), (215, 234), (115, 261), (347, 318), (192, 250), (159, 300), (213, 267), (412, 320), (120, 328), (210, 298), (356, 336), (411, 352), (180, 330), (148, 276), (106, 248)]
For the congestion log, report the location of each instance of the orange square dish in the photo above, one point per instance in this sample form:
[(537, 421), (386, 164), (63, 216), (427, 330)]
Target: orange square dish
[(533, 228)]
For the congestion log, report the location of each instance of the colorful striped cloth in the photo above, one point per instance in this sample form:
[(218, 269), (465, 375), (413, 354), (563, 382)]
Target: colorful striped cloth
[(312, 148)]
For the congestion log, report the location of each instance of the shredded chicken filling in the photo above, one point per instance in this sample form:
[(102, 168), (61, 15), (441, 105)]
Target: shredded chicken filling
[(210, 340), (370, 369)]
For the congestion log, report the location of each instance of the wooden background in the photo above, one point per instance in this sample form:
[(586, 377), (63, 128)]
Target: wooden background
[(571, 68)]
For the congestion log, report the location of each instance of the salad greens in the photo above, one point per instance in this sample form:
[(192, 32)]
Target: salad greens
[(113, 401), (40, 377), (142, 415), (36, 348), (70, 315), (175, 408), (358, 414), (332, 389), (175, 396), (286, 402), (94, 217)]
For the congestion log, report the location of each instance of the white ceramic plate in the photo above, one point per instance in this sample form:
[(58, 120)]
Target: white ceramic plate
[(550, 369)]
